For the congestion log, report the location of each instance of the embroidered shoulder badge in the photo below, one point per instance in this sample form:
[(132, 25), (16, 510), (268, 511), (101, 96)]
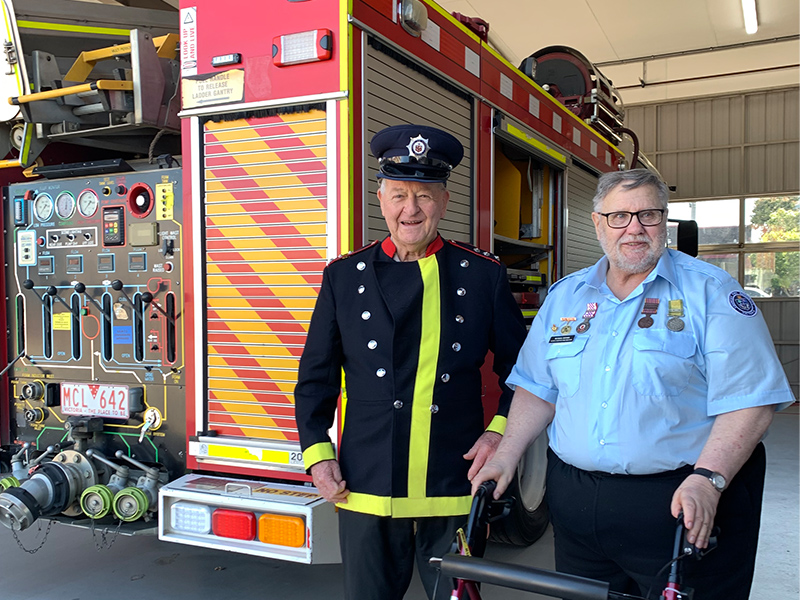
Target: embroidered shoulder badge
[(742, 303)]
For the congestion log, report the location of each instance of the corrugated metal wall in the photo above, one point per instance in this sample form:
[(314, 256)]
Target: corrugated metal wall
[(739, 145), (397, 94), (581, 248), (735, 145)]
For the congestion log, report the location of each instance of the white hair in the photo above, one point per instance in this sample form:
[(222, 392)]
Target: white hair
[(630, 179)]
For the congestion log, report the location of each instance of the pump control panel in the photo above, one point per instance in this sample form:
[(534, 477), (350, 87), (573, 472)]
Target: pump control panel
[(94, 305)]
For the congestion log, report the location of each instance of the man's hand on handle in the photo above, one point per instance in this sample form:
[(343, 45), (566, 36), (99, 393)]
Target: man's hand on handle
[(328, 480), (698, 500), (482, 451), (733, 437), (500, 469)]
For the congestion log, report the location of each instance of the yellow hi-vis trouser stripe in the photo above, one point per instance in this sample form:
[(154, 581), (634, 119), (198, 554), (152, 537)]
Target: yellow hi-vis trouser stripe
[(398, 508), (419, 442)]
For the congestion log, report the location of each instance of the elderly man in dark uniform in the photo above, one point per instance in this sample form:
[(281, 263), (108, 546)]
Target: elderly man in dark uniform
[(401, 328)]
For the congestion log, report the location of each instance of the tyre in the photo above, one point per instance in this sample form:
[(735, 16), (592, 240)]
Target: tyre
[(529, 516)]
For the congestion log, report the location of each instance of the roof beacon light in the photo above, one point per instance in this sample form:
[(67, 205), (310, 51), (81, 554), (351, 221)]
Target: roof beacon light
[(188, 517), (282, 530), (303, 47), (234, 524)]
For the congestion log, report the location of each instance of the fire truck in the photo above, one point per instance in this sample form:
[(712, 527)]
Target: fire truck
[(174, 185)]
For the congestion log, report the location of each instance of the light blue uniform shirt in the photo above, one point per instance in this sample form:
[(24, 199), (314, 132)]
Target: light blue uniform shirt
[(642, 400)]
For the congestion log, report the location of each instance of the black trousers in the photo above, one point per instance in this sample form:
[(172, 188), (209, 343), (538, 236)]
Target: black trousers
[(378, 554), (619, 529)]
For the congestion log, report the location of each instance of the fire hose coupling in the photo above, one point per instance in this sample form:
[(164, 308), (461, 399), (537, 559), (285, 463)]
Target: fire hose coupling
[(98, 500), (53, 488), (131, 504), (134, 502), (8, 482)]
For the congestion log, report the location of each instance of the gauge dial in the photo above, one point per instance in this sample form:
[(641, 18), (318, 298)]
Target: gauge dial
[(88, 203), (43, 207), (65, 205)]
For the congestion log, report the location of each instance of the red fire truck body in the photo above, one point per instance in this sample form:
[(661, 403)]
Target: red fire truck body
[(201, 312)]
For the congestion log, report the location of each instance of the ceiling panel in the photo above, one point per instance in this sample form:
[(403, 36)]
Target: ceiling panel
[(623, 29)]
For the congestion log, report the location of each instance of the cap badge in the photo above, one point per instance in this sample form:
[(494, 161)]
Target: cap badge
[(418, 147)]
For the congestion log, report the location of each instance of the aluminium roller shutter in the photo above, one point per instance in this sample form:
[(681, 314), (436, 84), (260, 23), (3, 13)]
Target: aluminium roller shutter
[(397, 92), (265, 230), (581, 248)]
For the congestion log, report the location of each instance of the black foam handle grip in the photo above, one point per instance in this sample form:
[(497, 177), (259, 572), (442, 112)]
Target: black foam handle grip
[(539, 581)]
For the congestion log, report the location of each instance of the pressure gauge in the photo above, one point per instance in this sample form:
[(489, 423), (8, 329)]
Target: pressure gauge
[(65, 205), (88, 203), (43, 207)]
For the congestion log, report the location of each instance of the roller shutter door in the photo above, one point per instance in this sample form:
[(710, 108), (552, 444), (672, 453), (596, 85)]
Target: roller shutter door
[(396, 94), (265, 231), (581, 248)]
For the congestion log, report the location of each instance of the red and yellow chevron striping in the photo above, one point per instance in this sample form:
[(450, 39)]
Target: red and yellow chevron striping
[(266, 246)]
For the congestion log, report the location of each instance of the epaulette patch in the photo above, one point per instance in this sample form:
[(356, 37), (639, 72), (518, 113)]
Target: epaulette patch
[(353, 252), (476, 251)]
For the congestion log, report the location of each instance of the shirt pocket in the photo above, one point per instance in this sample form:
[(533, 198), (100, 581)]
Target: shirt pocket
[(662, 361), (564, 364)]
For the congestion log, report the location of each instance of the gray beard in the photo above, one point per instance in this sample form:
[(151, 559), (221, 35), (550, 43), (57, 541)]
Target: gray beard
[(644, 264)]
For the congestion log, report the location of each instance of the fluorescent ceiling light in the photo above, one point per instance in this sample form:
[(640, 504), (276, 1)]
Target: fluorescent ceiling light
[(750, 17)]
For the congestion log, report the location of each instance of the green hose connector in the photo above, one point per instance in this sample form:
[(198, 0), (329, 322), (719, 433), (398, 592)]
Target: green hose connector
[(96, 501), (8, 482), (130, 504)]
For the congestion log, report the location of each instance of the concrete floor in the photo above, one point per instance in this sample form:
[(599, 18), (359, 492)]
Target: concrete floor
[(70, 566)]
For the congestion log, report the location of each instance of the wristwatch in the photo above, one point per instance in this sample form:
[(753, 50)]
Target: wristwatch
[(716, 479)]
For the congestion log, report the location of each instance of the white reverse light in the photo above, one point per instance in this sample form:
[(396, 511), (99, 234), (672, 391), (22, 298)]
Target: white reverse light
[(187, 517)]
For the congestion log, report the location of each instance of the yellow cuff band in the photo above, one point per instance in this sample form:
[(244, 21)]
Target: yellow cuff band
[(317, 453), (498, 425)]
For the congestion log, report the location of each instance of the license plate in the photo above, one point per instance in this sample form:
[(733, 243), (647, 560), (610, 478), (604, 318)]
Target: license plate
[(94, 400)]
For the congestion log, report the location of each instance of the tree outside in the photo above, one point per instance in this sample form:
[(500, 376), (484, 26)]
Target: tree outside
[(776, 220)]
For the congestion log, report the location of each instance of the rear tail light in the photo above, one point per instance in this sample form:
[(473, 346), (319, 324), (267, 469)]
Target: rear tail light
[(282, 530), (187, 517), (234, 524)]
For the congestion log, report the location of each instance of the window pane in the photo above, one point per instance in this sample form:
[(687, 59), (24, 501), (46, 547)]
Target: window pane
[(672, 234), (717, 220), (773, 219), (772, 274), (727, 262)]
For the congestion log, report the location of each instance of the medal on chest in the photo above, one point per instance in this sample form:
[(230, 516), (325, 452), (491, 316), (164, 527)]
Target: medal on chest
[(650, 308), (591, 311), (675, 322), (567, 328)]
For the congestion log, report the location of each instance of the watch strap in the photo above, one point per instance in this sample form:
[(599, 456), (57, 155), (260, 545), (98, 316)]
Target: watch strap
[(708, 474)]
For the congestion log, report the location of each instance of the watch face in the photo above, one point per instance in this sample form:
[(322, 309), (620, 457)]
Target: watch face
[(718, 481)]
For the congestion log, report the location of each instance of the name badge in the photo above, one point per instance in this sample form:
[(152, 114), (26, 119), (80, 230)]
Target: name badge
[(561, 339)]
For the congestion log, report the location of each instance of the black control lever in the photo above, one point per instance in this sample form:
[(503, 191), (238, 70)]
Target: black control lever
[(53, 292), (118, 286), (81, 289), (11, 364), (28, 285), (147, 298)]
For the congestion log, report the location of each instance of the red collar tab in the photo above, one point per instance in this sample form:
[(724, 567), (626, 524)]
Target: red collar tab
[(434, 246), (388, 247)]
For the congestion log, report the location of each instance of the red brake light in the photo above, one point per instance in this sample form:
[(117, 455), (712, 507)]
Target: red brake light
[(233, 524)]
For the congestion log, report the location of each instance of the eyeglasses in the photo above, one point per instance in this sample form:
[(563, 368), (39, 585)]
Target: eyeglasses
[(648, 218)]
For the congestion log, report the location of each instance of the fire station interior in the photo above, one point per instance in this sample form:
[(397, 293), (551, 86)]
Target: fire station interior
[(97, 251)]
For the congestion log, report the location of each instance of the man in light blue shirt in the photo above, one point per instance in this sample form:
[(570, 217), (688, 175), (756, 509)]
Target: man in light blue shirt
[(656, 378)]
